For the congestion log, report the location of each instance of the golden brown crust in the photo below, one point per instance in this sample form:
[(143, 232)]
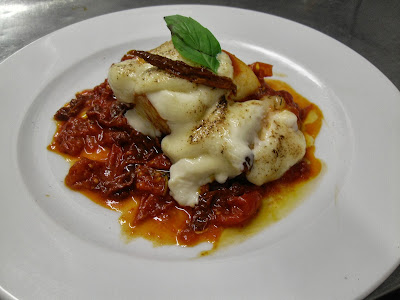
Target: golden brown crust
[(146, 109), (244, 78)]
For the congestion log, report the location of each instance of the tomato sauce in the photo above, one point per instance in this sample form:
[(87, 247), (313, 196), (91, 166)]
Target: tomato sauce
[(124, 170)]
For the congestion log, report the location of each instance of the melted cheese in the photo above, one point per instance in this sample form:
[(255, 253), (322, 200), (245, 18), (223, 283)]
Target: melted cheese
[(280, 146), (211, 137), (183, 107), (134, 76), (141, 123), (216, 148)]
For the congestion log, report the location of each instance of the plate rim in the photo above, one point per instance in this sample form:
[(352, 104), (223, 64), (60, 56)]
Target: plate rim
[(17, 53)]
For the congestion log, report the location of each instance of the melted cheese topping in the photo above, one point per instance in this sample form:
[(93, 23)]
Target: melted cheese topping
[(134, 76), (211, 137), (280, 146), (183, 107), (216, 148)]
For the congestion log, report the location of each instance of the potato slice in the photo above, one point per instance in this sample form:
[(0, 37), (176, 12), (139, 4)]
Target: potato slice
[(147, 110), (243, 76)]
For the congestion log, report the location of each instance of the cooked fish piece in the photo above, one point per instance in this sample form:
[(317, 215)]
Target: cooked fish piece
[(135, 81), (210, 133), (215, 148), (280, 145)]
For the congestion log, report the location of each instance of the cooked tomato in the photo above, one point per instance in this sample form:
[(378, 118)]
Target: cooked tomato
[(115, 163)]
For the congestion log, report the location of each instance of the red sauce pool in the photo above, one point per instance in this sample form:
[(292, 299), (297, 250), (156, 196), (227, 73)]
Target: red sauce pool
[(120, 169)]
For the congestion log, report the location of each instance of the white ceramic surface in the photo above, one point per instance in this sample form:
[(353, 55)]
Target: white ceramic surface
[(340, 243)]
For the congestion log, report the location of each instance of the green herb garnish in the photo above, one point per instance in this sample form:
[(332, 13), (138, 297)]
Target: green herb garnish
[(193, 41)]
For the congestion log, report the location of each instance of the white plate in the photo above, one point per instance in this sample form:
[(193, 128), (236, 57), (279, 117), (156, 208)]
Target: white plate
[(340, 243)]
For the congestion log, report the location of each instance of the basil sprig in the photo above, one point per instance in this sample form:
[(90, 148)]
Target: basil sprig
[(193, 41)]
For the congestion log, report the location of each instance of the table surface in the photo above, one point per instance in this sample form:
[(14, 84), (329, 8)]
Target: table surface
[(370, 27)]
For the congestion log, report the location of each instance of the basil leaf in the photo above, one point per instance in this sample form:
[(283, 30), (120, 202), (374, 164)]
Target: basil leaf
[(193, 41)]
